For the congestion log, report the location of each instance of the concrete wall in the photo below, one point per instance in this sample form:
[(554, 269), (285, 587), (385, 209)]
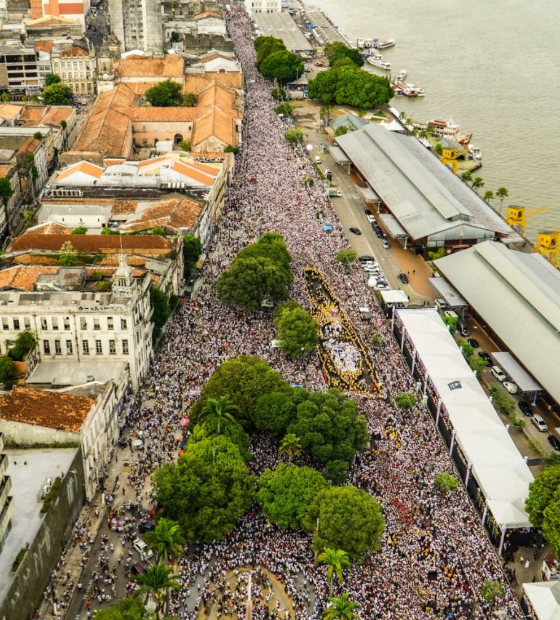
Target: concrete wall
[(54, 536), (29, 435), (198, 44)]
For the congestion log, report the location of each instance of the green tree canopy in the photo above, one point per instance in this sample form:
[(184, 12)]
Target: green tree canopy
[(190, 100), (244, 379), (192, 248), (270, 245), (24, 343), (7, 368), (160, 304), (282, 65), (284, 108), (265, 46), (551, 523), (405, 400), (80, 230), (352, 86), (293, 135), (52, 78), (219, 410), (337, 51), (298, 332), (543, 491), (346, 257), (278, 94), (328, 425), (57, 94), (233, 431), (127, 608), (335, 560), (207, 491), (6, 190), (274, 412), (341, 608), (165, 94), (345, 518), (492, 590), (286, 492), (155, 583), (446, 482), (166, 540)]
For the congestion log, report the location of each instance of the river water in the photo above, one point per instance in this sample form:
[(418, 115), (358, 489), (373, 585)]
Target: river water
[(493, 66)]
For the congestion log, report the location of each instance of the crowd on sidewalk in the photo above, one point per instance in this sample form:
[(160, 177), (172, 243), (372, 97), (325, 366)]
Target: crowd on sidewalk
[(435, 556)]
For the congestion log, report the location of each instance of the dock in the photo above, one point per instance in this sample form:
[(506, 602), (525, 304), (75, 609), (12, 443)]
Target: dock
[(283, 26), (324, 30)]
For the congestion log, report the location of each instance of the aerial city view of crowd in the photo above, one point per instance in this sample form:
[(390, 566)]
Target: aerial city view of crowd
[(434, 556)]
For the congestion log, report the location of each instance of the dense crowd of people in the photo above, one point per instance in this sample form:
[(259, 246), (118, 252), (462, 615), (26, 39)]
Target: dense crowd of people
[(435, 556)]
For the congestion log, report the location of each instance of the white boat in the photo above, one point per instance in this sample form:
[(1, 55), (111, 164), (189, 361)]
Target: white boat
[(379, 63), (408, 90), (401, 77), (475, 152), (381, 45), (375, 43)]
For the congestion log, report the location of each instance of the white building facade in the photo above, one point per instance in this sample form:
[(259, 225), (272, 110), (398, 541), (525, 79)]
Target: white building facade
[(263, 6)]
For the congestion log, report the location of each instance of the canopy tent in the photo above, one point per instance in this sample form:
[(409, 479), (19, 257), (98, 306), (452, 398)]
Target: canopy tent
[(544, 598), (496, 464), (518, 374), (448, 293), (395, 297)]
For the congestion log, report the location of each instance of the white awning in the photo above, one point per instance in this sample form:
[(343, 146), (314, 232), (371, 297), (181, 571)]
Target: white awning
[(339, 155), (449, 294), (518, 374), (544, 598), (395, 297), (392, 225)]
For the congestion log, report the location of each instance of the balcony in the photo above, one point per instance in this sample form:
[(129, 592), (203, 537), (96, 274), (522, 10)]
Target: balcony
[(3, 464), (5, 488)]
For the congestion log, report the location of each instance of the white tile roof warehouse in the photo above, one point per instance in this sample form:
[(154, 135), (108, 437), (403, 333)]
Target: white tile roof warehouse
[(496, 464), (426, 198), (518, 296)]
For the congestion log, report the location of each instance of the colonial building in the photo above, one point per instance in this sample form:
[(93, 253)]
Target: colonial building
[(263, 6), (76, 67)]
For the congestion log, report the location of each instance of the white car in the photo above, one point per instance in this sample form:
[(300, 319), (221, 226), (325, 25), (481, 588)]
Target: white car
[(373, 269), (510, 387), (318, 160), (145, 552), (539, 423), (498, 373), (382, 286), (370, 219), (385, 244), (441, 304), (451, 314)]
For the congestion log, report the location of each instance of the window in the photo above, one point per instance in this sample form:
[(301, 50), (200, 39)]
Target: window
[(68, 347), (57, 347), (46, 347), (16, 324), (110, 323), (96, 325), (44, 324), (83, 322), (123, 324), (125, 347), (5, 323), (67, 323), (99, 347), (26, 323), (55, 323), (85, 347), (112, 347)]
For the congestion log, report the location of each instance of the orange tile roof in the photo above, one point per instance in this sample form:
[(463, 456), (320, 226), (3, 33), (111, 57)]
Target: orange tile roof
[(49, 228), (85, 167), (195, 82), (35, 259), (44, 46), (22, 278), (74, 51), (92, 244), (41, 408), (8, 110), (32, 114), (56, 114), (170, 66), (132, 260), (195, 172), (113, 162), (124, 207), (164, 115), (208, 14), (5, 170), (30, 145), (173, 213)]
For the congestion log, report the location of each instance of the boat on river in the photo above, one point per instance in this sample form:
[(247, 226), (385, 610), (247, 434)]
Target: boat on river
[(401, 76), (379, 63), (375, 43), (407, 90)]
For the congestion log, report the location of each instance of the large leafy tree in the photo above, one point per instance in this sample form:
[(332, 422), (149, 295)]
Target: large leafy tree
[(286, 493), (271, 245), (166, 539), (543, 491), (52, 78), (244, 379), (233, 431), (192, 249), (335, 560), (57, 94), (290, 445), (345, 518), (282, 65), (337, 51), (273, 412), (219, 409), (551, 523), (298, 332), (127, 608), (328, 425), (265, 46), (159, 302), (207, 490), (341, 608), (165, 94), (155, 583)]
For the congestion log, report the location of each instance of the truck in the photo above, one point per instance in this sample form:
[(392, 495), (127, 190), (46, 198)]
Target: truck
[(334, 192)]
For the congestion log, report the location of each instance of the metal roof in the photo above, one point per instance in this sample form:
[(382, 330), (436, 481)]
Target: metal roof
[(449, 294), (338, 155), (392, 225), (424, 195), (518, 296), (518, 375), (497, 465), (327, 31), (282, 26)]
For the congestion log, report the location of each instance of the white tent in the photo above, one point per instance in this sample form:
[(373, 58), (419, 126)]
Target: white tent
[(395, 297), (496, 464), (544, 598)]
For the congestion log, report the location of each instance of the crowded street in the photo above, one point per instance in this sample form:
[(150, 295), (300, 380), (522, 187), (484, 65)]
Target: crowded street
[(435, 555)]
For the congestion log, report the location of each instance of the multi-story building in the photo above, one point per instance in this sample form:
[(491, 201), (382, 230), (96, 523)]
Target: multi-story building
[(19, 71), (76, 67), (137, 24), (263, 6), (69, 9), (6, 500), (77, 326)]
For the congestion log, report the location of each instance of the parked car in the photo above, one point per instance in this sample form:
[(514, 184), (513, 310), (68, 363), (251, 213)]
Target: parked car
[(318, 160), (498, 373), (138, 569), (370, 219), (554, 442), (473, 342), (403, 278), (510, 387), (368, 212), (365, 258), (123, 441), (382, 286), (452, 314), (145, 552), (372, 269), (441, 304), (146, 526), (539, 423), (525, 408), (356, 231), (483, 355), (385, 244), (464, 329)]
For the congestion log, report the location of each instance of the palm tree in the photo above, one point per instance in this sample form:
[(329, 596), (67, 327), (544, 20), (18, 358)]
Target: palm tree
[(466, 177), (477, 183), (502, 193), (402, 115), (291, 445), (424, 134), (341, 608), (438, 148), (156, 583), (488, 195), (166, 539), (219, 409), (325, 114), (336, 560)]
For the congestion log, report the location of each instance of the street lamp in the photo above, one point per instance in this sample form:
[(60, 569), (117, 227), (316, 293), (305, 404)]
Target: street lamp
[(309, 147)]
